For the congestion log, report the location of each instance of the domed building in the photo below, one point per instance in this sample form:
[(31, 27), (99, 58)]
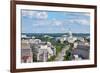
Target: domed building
[(71, 39)]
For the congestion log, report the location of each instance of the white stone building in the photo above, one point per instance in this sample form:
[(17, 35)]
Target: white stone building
[(71, 39), (43, 51)]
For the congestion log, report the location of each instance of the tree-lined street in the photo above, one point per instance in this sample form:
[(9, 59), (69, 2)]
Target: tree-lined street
[(60, 56)]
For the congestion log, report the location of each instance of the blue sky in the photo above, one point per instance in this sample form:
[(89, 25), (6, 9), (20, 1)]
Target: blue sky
[(34, 21)]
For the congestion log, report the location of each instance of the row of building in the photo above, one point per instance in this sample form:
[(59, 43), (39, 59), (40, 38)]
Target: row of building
[(36, 50)]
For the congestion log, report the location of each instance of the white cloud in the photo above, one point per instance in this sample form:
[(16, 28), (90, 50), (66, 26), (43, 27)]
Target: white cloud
[(35, 14), (56, 22), (28, 13), (77, 21), (86, 14), (59, 23), (42, 23), (81, 21), (77, 13), (63, 29), (41, 15)]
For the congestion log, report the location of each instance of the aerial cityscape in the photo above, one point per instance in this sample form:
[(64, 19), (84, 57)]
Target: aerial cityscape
[(49, 36)]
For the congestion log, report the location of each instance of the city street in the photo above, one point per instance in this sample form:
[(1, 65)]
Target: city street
[(60, 56)]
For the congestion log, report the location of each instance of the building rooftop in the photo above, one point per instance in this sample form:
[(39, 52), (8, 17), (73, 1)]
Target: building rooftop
[(82, 51)]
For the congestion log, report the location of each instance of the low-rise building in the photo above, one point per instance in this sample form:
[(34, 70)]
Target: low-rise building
[(26, 52), (82, 51), (43, 51)]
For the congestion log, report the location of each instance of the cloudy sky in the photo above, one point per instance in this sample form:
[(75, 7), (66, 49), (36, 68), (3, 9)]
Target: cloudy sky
[(54, 22)]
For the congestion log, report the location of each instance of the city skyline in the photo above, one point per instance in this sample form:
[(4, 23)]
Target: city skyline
[(41, 21)]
